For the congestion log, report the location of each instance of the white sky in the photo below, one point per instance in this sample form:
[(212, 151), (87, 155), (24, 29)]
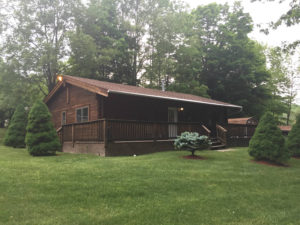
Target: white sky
[(263, 13)]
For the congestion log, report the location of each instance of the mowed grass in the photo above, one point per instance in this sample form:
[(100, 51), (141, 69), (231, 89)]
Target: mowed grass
[(2, 132), (161, 188)]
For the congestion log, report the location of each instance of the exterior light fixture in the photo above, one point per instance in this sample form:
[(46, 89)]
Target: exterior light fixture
[(181, 109), (59, 78)]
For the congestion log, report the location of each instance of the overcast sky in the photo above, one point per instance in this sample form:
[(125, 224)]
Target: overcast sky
[(262, 13)]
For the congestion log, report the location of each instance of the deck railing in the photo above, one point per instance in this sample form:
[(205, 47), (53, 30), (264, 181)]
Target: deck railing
[(240, 130), (105, 130), (221, 134)]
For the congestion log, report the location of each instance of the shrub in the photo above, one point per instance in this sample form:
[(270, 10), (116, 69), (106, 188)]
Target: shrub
[(15, 135), (267, 142), (191, 141), (293, 141), (41, 138)]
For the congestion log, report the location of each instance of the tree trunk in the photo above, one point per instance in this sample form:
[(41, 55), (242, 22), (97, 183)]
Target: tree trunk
[(193, 152)]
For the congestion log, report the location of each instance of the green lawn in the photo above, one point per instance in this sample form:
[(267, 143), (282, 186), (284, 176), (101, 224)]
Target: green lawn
[(2, 131), (154, 189)]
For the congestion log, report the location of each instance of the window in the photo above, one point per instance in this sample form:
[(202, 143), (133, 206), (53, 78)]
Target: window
[(82, 114), (63, 118)]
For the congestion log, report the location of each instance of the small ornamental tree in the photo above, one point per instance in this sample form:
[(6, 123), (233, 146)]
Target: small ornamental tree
[(191, 141), (267, 142), (293, 141), (41, 138), (15, 135)]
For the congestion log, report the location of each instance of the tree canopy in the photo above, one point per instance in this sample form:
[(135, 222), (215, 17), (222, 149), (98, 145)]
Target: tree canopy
[(206, 51)]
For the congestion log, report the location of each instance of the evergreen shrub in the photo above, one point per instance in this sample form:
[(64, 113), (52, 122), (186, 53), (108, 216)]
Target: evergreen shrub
[(15, 134), (267, 142), (41, 138), (191, 141), (293, 140)]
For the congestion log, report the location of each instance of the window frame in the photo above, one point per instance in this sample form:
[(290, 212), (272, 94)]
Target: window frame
[(63, 122), (81, 109)]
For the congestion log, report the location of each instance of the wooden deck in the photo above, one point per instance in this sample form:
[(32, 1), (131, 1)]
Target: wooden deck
[(115, 137), (105, 130)]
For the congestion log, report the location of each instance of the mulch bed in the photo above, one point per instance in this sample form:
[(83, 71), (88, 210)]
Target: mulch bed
[(270, 163), (193, 157)]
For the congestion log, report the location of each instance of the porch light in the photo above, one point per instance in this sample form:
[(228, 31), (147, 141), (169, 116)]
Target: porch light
[(181, 109), (59, 78)]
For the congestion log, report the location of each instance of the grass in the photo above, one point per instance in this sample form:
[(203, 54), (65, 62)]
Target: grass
[(160, 188), (2, 131)]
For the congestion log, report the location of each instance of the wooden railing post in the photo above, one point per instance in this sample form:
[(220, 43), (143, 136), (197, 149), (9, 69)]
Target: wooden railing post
[(99, 131), (62, 135), (155, 133), (73, 135), (105, 134), (221, 134)]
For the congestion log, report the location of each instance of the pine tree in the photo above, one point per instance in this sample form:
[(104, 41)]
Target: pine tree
[(15, 135), (267, 142), (293, 141), (41, 138)]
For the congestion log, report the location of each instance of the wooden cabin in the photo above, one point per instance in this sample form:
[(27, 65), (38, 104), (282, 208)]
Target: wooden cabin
[(107, 119), (240, 130)]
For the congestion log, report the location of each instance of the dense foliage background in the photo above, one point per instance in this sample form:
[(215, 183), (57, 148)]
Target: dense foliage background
[(205, 51)]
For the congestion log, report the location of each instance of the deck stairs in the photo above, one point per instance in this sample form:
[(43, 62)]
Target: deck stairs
[(216, 144)]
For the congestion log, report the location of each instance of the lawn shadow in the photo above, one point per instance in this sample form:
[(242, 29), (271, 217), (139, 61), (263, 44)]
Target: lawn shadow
[(268, 163), (194, 157)]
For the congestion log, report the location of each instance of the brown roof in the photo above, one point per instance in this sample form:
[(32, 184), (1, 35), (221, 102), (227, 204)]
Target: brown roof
[(238, 120), (285, 128), (104, 88)]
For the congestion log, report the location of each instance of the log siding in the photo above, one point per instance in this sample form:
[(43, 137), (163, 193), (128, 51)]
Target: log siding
[(68, 99)]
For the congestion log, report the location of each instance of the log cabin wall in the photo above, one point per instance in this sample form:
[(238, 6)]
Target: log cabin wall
[(68, 99)]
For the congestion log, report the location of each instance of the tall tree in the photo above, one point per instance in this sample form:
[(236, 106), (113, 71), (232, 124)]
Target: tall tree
[(36, 38), (164, 31), (188, 63), (15, 90), (282, 83), (134, 16), (233, 66), (99, 47)]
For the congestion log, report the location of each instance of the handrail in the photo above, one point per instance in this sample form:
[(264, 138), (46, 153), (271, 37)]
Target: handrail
[(221, 134), (222, 128), (206, 129), (138, 121)]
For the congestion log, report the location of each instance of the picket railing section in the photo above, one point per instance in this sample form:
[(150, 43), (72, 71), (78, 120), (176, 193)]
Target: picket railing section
[(89, 131), (104, 130), (240, 130)]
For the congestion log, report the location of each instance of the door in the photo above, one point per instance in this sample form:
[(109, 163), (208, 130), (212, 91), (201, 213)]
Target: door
[(172, 118)]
